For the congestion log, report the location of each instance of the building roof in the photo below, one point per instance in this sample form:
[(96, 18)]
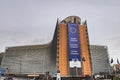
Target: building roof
[(30, 46), (72, 19), (117, 65)]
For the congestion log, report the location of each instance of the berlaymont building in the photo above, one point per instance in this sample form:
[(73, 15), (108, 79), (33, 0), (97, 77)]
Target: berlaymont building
[(69, 53)]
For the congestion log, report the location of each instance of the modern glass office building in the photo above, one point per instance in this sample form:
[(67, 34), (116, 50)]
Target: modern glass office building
[(100, 59), (69, 52)]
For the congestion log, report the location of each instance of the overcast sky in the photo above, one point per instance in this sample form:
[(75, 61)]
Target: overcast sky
[(31, 22)]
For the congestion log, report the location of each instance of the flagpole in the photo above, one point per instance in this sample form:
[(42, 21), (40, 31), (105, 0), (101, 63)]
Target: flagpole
[(118, 61), (110, 66)]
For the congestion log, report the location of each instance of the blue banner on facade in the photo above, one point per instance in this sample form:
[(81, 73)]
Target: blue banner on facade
[(73, 43)]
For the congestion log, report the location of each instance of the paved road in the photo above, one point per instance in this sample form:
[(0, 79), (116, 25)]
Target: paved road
[(15, 78)]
